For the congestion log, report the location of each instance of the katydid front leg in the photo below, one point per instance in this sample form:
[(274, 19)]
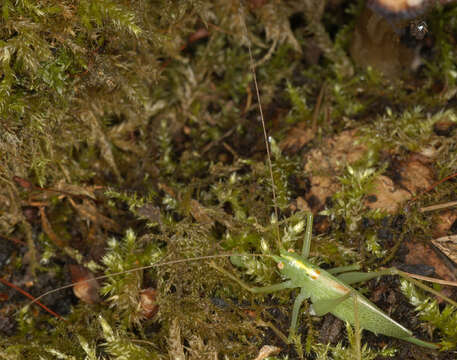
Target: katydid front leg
[(270, 289), (297, 305), (308, 234)]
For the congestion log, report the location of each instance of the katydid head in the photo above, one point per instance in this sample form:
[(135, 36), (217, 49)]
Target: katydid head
[(295, 267)]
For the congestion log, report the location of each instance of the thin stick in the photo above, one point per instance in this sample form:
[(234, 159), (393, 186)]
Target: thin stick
[(438, 206), (429, 279), (265, 135), (35, 300), (413, 277), (317, 109), (434, 185)]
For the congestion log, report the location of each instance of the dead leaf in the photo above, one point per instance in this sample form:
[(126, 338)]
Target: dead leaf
[(75, 190), (89, 211), (443, 222), (86, 287), (23, 183), (444, 128), (296, 139), (302, 205), (335, 153), (385, 195), (322, 187), (415, 176), (199, 213), (448, 246), (420, 253), (266, 351), (148, 303)]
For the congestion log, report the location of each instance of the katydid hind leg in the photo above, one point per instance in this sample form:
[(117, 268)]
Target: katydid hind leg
[(342, 269), (356, 276)]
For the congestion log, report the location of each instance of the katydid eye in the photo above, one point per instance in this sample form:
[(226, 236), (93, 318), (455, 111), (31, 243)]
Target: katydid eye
[(280, 265), (291, 250)]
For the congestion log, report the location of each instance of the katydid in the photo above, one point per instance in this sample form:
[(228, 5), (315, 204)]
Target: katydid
[(331, 293)]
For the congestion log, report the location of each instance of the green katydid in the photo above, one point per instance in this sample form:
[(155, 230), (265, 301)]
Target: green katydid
[(330, 292)]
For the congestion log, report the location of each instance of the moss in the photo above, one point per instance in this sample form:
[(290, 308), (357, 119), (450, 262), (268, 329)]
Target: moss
[(142, 116)]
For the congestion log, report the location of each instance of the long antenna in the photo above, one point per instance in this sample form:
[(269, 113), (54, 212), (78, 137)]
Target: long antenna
[(171, 262), (265, 135)]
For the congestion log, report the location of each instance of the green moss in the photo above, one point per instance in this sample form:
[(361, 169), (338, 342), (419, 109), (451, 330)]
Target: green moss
[(119, 108)]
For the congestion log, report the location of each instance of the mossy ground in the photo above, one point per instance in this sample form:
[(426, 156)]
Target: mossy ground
[(130, 135)]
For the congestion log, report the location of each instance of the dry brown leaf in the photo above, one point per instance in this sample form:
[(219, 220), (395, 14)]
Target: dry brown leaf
[(448, 246), (86, 287), (443, 222), (76, 190), (420, 253), (335, 153), (386, 196), (296, 139), (415, 176), (148, 303), (199, 213), (266, 351), (87, 210), (322, 187), (302, 205)]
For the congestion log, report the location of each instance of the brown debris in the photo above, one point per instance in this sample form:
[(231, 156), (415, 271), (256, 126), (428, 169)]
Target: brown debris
[(267, 351), (385, 195), (199, 213), (443, 222), (415, 176), (89, 211), (423, 254), (148, 303), (448, 246), (86, 287), (322, 187), (444, 128), (327, 161), (296, 139), (335, 153)]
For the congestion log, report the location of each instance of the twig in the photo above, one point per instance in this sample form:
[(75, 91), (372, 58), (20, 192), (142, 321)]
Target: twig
[(438, 206), (34, 300)]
